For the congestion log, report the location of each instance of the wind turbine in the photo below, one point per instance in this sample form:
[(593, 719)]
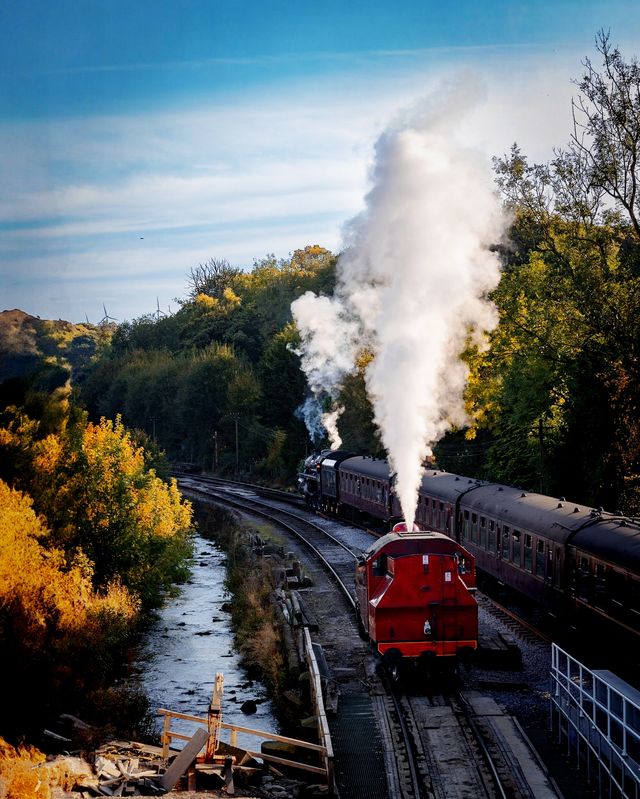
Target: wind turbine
[(158, 313), (106, 319)]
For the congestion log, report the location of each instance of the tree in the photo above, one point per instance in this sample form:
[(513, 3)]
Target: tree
[(605, 145), (99, 499), (212, 278), (565, 360)]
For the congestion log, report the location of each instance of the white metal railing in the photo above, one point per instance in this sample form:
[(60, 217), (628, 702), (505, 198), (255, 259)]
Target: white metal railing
[(600, 716)]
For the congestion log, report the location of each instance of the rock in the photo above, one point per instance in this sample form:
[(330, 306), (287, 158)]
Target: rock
[(66, 772), (310, 791), (249, 706)]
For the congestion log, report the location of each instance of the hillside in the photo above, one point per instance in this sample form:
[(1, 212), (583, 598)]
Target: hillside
[(45, 350)]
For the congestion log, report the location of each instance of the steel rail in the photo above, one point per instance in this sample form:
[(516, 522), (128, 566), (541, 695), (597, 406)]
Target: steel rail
[(257, 507)]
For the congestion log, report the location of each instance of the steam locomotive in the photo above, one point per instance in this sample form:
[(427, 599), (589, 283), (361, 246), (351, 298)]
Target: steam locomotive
[(582, 565)]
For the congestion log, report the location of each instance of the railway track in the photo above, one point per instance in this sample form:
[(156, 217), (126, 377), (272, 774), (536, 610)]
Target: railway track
[(438, 746), (337, 556), (519, 626)]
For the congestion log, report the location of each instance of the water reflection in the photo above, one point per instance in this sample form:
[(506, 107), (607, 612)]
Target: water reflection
[(191, 641)]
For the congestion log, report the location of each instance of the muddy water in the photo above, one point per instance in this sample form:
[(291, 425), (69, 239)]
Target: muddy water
[(192, 640)]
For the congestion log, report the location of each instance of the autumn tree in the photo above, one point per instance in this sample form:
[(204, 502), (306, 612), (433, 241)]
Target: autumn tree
[(51, 618), (99, 499)]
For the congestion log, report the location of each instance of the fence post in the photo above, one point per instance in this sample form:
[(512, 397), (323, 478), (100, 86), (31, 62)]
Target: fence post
[(166, 735)]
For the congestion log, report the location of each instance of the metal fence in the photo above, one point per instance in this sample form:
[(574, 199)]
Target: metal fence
[(597, 716)]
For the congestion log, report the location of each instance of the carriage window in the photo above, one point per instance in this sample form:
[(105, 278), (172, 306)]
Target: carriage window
[(506, 537), (616, 588), (540, 558), (492, 536), (634, 596), (599, 586), (528, 553), (516, 547), (584, 579), (483, 532)]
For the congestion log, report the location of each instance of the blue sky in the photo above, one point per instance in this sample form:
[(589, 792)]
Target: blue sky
[(140, 138)]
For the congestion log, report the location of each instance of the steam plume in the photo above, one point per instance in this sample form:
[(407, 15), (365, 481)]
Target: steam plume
[(412, 284)]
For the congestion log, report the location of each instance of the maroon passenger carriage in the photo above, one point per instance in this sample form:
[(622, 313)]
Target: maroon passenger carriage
[(415, 599)]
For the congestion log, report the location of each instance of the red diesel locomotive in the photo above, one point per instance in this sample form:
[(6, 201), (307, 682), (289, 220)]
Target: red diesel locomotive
[(415, 600)]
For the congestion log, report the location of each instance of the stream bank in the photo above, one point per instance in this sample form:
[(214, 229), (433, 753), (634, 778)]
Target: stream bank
[(192, 638)]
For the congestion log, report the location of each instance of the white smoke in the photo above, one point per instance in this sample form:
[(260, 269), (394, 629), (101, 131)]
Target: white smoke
[(412, 283), (318, 422)]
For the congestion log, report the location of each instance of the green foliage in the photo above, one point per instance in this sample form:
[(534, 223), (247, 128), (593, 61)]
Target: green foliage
[(357, 428), (222, 363)]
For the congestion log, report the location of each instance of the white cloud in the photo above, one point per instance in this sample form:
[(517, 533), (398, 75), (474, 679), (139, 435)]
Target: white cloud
[(235, 179)]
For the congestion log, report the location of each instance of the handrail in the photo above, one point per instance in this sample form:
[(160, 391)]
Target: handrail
[(270, 736)]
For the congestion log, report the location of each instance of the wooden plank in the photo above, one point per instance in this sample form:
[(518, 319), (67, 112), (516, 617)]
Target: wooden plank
[(185, 759)]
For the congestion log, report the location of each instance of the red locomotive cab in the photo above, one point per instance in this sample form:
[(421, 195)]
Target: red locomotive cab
[(415, 594)]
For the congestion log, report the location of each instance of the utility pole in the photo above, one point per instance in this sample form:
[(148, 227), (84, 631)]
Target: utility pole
[(236, 417), (541, 453)]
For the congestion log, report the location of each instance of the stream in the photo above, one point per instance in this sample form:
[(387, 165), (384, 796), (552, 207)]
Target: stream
[(188, 643)]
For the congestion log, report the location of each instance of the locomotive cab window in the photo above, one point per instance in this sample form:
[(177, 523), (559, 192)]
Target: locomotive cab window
[(379, 566)]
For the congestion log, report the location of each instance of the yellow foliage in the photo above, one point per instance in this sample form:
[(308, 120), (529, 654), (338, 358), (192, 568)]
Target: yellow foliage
[(40, 593), (47, 454), (231, 298), (159, 510), (207, 303), (19, 775)]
